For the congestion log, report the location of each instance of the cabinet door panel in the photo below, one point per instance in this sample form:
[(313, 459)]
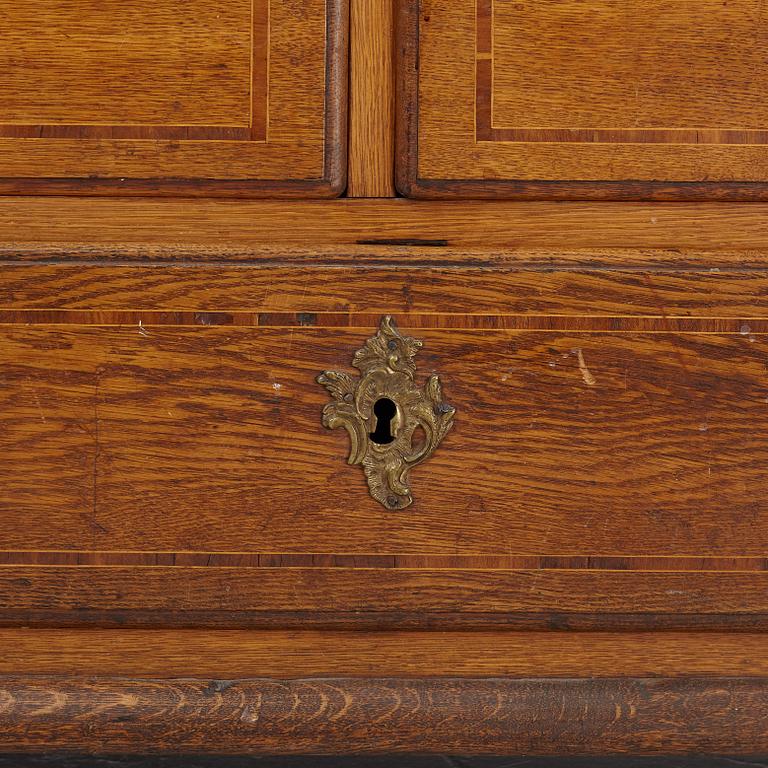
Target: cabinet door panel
[(600, 99), (240, 97)]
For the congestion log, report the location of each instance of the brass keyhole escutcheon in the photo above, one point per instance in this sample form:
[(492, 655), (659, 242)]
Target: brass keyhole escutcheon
[(393, 424)]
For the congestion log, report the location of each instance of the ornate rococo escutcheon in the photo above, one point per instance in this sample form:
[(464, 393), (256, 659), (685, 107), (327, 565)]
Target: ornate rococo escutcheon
[(393, 424)]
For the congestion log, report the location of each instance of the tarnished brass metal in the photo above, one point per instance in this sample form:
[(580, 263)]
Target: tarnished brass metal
[(386, 390)]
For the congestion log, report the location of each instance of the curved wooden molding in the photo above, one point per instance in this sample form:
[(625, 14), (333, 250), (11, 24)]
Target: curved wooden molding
[(337, 716)]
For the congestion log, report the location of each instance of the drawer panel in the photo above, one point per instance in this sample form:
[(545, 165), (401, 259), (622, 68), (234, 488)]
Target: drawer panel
[(169, 465), (243, 97), (601, 99), (577, 444)]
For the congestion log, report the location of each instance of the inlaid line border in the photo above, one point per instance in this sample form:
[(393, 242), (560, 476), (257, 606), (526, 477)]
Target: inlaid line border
[(364, 561), (256, 131), (485, 131)]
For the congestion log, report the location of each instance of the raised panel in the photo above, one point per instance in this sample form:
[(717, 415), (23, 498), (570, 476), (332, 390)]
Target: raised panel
[(244, 97), (599, 99)]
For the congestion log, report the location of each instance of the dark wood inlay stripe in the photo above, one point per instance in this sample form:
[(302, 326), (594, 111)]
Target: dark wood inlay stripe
[(649, 563), (136, 132), (144, 319), (606, 135)]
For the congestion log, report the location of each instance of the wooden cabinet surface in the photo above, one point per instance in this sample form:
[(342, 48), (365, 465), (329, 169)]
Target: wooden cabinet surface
[(243, 97), (649, 99), (210, 541)]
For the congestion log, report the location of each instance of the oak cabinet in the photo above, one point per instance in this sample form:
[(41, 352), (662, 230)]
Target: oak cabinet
[(187, 552), (376, 474)]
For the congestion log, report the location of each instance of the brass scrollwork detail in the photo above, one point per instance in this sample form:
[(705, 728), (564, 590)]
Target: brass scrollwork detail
[(382, 410)]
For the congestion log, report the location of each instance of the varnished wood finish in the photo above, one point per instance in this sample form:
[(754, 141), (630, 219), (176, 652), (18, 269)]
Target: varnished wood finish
[(343, 716), (88, 412), (372, 99), (296, 692), (282, 654), (235, 99), (639, 74), (368, 597), (214, 55), (185, 557), (572, 100)]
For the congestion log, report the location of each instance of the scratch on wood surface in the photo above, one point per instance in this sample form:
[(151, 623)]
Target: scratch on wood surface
[(37, 399), (96, 453), (586, 374), (39, 407)]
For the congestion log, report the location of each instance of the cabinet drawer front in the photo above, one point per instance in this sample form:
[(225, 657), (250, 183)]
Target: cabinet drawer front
[(659, 99), (242, 97), (164, 459)]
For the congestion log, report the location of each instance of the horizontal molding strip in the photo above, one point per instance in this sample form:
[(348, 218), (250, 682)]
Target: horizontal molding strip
[(381, 598), (710, 234), (379, 715), (276, 653), (132, 132)]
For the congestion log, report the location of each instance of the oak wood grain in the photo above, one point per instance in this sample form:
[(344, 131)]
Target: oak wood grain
[(380, 598), (532, 297), (569, 439), (120, 375), (343, 716), (652, 72), (211, 54), (372, 99), (281, 654)]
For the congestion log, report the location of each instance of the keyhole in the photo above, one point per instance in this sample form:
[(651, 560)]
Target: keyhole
[(384, 410)]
